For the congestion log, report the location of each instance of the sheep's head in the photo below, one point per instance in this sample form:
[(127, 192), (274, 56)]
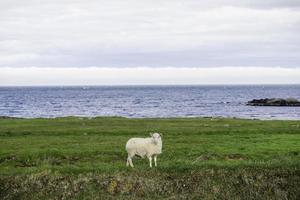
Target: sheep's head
[(155, 137)]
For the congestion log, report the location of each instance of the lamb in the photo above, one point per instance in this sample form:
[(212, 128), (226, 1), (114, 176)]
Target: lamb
[(142, 147)]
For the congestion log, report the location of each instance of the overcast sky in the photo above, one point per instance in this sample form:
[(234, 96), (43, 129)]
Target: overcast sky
[(177, 34)]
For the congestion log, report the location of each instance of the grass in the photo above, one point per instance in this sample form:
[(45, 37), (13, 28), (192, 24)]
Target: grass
[(215, 151)]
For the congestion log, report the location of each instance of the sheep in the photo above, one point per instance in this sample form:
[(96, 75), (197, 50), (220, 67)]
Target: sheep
[(151, 146)]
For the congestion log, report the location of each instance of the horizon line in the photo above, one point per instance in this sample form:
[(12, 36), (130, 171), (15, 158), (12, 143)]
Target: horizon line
[(148, 76), (159, 85)]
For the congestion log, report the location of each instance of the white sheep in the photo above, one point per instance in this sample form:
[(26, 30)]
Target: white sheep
[(144, 147)]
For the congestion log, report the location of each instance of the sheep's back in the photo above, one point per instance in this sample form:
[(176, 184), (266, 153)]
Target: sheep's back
[(136, 142)]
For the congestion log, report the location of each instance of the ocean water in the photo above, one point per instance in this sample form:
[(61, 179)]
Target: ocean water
[(146, 101)]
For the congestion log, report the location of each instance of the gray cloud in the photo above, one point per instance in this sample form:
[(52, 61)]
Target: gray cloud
[(65, 33)]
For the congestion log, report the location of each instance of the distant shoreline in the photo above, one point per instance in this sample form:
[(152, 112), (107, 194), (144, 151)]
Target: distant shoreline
[(140, 118), (153, 85)]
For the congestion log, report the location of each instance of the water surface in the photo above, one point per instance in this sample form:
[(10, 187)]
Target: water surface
[(146, 101)]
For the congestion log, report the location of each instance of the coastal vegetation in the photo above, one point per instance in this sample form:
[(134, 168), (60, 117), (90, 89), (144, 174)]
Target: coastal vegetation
[(207, 158)]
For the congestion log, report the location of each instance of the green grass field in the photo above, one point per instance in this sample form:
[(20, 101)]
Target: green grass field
[(209, 158)]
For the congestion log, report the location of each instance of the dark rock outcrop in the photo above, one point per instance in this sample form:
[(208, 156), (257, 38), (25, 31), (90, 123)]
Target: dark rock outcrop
[(274, 102), (7, 117)]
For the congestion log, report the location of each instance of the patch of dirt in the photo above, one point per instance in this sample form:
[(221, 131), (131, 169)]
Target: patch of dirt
[(235, 157)]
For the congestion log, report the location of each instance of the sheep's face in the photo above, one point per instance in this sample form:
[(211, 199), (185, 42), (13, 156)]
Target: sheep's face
[(156, 137)]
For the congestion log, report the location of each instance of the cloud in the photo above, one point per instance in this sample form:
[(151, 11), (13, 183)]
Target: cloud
[(33, 76), (65, 33)]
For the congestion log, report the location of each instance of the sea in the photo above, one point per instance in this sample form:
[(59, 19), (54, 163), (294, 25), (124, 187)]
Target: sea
[(147, 101)]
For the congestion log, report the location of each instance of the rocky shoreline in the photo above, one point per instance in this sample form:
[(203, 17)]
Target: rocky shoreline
[(7, 117), (274, 102)]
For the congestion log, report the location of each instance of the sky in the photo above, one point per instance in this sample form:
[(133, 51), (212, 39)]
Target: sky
[(128, 42)]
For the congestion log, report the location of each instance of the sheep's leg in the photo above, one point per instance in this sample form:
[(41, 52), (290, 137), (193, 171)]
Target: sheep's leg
[(150, 160), (129, 160), (155, 161)]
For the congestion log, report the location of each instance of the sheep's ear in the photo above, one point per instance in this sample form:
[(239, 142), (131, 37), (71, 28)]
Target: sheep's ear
[(151, 134)]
